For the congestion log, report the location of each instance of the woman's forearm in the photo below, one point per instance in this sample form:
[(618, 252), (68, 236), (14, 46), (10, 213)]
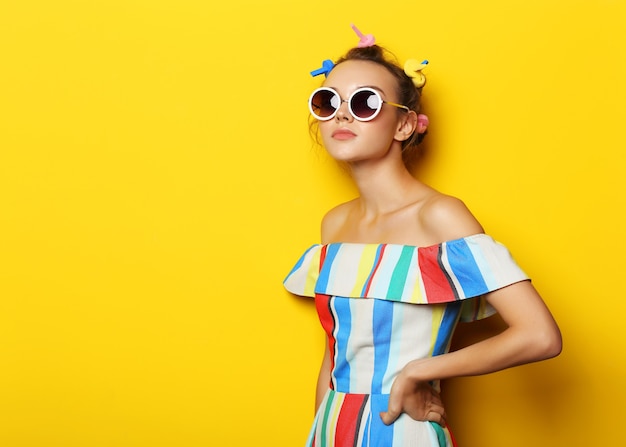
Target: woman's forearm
[(509, 348)]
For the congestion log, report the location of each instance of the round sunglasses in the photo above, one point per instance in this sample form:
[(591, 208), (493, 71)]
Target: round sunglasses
[(364, 103)]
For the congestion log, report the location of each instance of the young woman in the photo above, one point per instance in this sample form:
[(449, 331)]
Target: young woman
[(397, 268)]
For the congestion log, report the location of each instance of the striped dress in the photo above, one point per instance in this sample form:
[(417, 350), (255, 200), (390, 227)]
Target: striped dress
[(381, 306)]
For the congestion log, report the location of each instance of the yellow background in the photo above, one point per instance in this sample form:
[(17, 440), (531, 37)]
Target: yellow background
[(157, 182)]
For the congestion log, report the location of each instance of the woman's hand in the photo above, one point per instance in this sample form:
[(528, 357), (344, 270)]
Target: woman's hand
[(417, 399)]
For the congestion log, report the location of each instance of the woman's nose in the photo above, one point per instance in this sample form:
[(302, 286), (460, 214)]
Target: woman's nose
[(343, 113)]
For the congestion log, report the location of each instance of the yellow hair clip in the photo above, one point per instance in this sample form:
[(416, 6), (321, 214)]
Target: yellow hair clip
[(413, 69)]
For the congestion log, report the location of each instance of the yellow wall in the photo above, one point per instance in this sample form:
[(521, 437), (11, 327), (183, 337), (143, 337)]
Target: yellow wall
[(157, 181)]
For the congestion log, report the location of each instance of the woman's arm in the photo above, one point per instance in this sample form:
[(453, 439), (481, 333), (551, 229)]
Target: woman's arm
[(531, 335)]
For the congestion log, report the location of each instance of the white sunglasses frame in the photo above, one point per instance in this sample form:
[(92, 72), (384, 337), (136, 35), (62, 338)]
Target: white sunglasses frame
[(349, 101)]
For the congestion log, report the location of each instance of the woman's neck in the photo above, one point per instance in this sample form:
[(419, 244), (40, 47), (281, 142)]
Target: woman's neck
[(384, 185)]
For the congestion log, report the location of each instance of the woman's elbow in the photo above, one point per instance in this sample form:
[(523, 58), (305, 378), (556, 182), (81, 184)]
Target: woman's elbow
[(548, 343)]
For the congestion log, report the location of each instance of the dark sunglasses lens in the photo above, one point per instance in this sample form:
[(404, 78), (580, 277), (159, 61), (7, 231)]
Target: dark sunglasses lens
[(324, 103), (364, 104)]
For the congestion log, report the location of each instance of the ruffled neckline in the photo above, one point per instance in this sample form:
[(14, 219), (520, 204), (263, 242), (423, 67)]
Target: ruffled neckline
[(451, 271)]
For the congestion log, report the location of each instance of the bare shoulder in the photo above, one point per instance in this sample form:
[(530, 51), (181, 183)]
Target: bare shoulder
[(446, 218), (334, 220)]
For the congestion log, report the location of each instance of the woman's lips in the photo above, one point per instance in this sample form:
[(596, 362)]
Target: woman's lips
[(343, 134)]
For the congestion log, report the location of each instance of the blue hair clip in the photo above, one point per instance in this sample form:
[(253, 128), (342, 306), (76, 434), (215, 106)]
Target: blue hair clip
[(327, 65)]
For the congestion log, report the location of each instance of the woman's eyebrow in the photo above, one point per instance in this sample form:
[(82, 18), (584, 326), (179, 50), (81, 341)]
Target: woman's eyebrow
[(360, 86), (373, 87)]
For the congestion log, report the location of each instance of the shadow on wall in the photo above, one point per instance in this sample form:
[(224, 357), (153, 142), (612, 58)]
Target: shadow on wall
[(538, 395)]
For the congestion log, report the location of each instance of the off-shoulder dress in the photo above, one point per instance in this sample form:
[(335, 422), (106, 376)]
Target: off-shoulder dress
[(381, 306)]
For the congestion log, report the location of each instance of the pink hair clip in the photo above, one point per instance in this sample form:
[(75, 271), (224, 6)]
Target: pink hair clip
[(365, 40), (422, 123)]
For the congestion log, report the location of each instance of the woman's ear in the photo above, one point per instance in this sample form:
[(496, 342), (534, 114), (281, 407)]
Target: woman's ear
[(407, 126)]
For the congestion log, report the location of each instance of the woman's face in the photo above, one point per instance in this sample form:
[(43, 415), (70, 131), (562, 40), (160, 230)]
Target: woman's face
[(349, 140)]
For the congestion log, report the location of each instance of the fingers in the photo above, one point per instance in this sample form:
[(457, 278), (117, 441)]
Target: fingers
[(437, 413), (393, 412), (435, 397), (420, 401), (434, 413), (436, 417), (389, 417)]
